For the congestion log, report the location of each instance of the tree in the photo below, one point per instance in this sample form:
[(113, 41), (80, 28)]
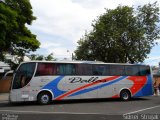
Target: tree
[(121, 35), (15, 37), (49, 57), (36, 57)]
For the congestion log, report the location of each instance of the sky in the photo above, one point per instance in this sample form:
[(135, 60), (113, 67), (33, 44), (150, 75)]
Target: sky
[(61, 23)]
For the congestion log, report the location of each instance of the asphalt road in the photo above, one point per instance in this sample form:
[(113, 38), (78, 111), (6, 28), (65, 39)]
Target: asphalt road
[(145, 108)]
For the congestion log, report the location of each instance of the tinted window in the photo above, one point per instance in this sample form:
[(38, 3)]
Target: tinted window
[(107, 71), (144, 70), (117, 70), (66, 69), (60, 69), (100, 69), (70, 69), (23, 75), (84, 69), (45, 69), (132, 70)]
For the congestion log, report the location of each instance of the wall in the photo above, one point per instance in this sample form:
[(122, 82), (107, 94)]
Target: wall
[(5, 85)]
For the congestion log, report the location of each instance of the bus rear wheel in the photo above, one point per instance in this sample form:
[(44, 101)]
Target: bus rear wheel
[(44, 98), (125, 95)]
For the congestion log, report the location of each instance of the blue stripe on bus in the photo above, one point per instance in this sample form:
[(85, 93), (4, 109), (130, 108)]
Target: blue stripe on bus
[(97, 87), (53, 86), (147, 89)]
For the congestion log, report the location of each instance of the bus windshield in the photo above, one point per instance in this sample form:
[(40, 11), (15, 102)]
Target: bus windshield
[(23, 75)]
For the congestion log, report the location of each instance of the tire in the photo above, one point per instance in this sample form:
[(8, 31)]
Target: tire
[(44, 98), (125, 95)]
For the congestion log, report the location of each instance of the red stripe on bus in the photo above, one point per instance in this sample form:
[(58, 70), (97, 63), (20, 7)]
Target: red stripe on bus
[(115, 96), (85, 86), (139, 82)]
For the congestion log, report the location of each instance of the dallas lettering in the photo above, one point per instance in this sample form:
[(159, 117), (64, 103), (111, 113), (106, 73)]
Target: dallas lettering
[(80, 80)]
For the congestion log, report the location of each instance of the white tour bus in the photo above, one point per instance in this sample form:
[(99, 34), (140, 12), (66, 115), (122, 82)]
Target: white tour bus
[(46, 81)]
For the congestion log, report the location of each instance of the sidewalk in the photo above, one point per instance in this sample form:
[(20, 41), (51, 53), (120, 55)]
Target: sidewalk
[(4, 96)]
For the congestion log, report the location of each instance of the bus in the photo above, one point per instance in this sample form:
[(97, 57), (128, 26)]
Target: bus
[(44, 81)]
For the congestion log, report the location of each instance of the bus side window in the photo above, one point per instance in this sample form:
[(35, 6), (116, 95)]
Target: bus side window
[(66, 69), (99, 70), (131, 70), (44, 69), (70, 69), (60, 70), (117, 70), (79, 69), (96, 70), (144, 70), (84, 69), (107, 70)]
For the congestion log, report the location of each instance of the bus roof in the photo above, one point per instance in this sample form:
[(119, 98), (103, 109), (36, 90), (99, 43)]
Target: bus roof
[(83, 62)]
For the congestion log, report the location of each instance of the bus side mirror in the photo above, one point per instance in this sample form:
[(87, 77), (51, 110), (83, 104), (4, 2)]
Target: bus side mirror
[(7, 74)]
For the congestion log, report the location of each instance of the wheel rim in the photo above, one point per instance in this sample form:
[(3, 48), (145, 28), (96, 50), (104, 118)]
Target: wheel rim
[(45, 99), (125, 96)]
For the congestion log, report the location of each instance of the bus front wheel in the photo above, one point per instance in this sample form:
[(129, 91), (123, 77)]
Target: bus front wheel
[(44, 98), (125, 95)]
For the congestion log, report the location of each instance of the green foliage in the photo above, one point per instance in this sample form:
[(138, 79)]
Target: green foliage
[(121, 35), (49, 57), (15, 37), (36, 57)]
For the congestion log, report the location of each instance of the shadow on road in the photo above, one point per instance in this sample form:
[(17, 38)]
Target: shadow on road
[(100, 100), (7, 104)]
